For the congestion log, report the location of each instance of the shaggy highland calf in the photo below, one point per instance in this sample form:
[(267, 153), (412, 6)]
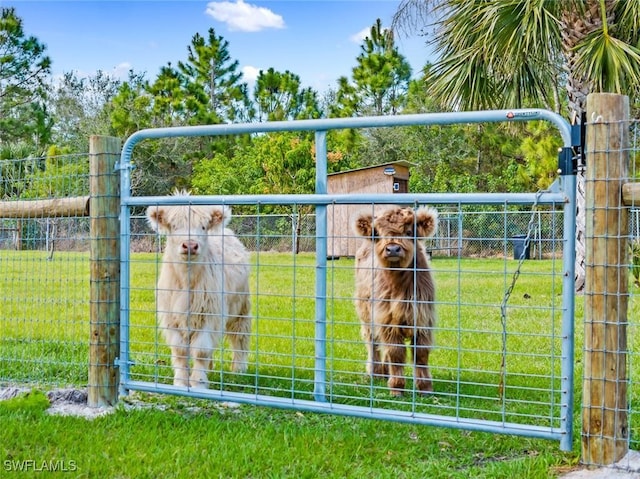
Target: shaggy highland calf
[(203, 289), (395, 293)]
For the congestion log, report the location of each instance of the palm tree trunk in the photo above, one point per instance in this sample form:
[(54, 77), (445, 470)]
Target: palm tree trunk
[(576, 25), (580, 230)]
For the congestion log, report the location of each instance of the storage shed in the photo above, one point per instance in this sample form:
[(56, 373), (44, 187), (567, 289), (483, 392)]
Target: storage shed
[(385, 178)]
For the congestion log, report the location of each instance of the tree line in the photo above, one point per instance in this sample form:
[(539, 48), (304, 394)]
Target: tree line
[(40, 117)]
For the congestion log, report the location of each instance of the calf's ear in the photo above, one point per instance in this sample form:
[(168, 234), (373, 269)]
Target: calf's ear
[(156, 217), (363, 225), (426, 222), (220, 215)]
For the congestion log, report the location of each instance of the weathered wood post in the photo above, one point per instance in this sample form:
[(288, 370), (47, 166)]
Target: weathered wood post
[(104, 209), (605, 428)]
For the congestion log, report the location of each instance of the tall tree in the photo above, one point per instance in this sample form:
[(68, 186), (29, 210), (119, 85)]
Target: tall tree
[(279, 97), (160, 164), (510, 53), (169, 98), (212, 81), (24, 70), (82, 107), (131, 106), (380, 79), (206, 88)]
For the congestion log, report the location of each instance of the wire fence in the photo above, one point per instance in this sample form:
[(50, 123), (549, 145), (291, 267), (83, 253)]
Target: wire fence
[(44, 306), (471, 233)]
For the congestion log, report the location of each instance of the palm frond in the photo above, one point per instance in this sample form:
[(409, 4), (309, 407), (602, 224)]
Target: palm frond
[(463, 81), (496, 54), (627, 23), (610, 64)]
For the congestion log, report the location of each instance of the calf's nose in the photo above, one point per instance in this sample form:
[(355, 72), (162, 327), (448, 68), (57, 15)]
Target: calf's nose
[(190, 247), (393, 250)]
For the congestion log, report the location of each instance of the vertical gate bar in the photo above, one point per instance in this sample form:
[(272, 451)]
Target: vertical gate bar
[(319, 388), (568, 182), (125, 286), (105, 266)]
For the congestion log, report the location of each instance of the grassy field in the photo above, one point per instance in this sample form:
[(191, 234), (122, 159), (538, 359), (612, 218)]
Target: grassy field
[(43, 341)]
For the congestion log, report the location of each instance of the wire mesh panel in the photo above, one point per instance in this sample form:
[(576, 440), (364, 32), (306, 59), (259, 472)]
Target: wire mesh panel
[(489, 361), (282, 313), (44, 259), (611, 425)]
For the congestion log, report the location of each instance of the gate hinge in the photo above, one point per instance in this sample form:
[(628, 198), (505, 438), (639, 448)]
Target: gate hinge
[(121, 362), (123, 166), (567, 161), (569, 158)]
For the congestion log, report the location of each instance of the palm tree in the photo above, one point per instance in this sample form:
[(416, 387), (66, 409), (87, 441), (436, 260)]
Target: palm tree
[(519, 53)]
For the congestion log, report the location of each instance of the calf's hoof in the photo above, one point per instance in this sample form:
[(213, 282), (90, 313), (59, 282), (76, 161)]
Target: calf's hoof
[(239, 367), (199, 385), (199, 381), (396, 386), (377, 370), (425, 387)]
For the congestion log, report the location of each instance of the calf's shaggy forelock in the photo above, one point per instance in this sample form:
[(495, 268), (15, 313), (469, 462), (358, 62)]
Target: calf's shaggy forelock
[(203, 288), (395, 292)]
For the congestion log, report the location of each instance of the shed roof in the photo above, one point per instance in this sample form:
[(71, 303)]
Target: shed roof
[(404, 163)]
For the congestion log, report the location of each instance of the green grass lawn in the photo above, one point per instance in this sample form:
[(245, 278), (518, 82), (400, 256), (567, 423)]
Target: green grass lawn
[(44, 342), (187, 439)]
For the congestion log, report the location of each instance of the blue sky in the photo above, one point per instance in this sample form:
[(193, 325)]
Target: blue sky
[(317, 40)]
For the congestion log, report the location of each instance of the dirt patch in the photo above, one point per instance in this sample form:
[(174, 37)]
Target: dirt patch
[(63, 402), (73, 402), (11, 392)]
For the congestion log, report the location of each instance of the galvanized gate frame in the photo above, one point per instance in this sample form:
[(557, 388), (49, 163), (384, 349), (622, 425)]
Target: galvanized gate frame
[(565, 194)]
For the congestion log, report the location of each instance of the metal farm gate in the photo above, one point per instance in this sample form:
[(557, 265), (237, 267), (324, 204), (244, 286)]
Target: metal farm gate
[(504, 339)]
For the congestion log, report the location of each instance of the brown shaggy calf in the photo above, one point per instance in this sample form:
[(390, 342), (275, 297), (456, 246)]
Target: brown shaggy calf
[(395, 293), (203, 288)]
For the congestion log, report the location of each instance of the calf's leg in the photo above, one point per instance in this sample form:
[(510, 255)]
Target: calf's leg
[(202, 345), (179, 356), (374, 366), (395, 356), (421, 347)]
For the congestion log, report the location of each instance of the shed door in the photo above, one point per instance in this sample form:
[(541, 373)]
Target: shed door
[(400, 185)]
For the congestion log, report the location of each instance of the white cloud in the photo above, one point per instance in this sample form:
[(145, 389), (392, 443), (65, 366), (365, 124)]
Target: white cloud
[(361, 35), (244, 17), (121, 70), (250, 74)]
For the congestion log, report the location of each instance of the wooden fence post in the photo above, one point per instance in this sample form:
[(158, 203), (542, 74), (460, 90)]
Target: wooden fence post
[(605, 428), (104, 207)]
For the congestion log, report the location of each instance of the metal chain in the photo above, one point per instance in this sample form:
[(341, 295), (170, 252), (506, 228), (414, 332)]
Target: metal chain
[(509, 290)]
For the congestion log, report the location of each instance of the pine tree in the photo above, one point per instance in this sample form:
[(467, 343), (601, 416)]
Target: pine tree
[(24, 71), (380, 80)]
